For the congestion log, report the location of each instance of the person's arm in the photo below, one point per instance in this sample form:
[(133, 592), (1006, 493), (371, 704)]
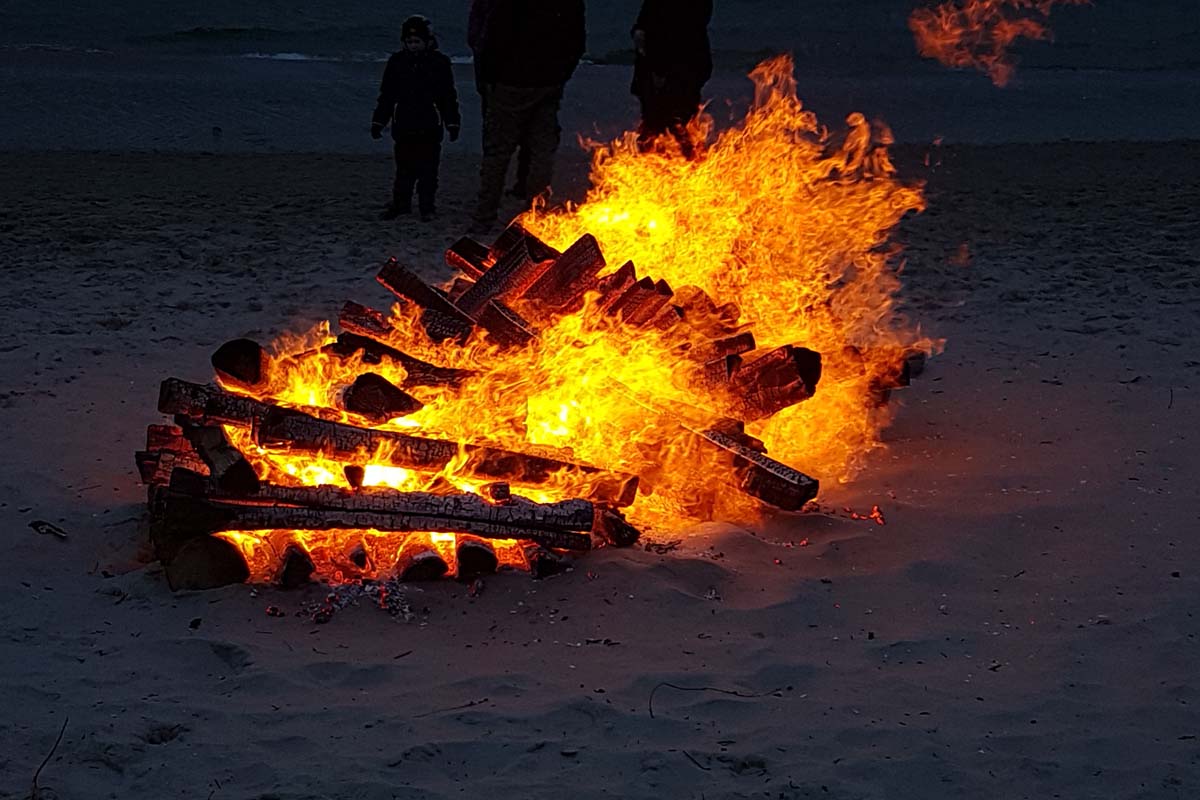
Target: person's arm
[(386, 104), (447, 101)]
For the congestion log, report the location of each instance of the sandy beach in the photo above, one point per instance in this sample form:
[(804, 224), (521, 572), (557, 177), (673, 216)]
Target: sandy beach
[(1023, 626)]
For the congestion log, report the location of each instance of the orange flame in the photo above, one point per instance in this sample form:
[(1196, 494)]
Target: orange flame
[(979, 33), (777, 216)]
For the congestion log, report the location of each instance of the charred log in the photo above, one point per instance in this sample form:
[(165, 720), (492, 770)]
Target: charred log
[(613, 287), (185, 517), (475, 559), (781, 378), (562, 286), (469, 257), (205, 563), (375, 398), (243, 363), (228, 469), (295, 569), (420, 566), (764, 478), (297, 431), (516, 234), (512, 275), (441, 318)]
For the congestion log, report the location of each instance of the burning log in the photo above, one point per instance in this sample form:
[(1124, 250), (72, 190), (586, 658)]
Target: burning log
[(375, 398), (243, 363), (639, 316), (475, 559), (440, 317), (365, 326), (208, 405), (418, 566), (613, 287), (295, 569), (702, 312), (516, 234), (185, 516), (205, 563), (562, 286), (721, 348), (773, 381), (504, 325), (228, 469), (762, 477), (297, 431), (469, 257), (512, 275)]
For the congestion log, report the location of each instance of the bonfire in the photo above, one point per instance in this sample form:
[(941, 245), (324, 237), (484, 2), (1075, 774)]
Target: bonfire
[(698, 339)]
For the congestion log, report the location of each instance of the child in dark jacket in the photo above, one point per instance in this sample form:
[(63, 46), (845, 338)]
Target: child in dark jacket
[(417, 97)]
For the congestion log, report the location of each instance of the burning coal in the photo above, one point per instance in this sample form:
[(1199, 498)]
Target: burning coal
[(627, 362), (980, 33)]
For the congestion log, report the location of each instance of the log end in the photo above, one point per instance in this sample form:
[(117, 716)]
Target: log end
[(206, 563)]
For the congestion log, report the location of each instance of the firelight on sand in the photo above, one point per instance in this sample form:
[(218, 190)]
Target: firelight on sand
[(778, 217), (980, 33)]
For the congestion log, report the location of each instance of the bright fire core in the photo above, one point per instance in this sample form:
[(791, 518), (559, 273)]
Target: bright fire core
[(776, 215)]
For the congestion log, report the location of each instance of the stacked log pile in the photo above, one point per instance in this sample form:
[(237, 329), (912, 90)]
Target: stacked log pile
[(201, 484)]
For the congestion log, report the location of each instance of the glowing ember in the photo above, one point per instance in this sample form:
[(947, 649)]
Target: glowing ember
[(979, 33), (783, 223)]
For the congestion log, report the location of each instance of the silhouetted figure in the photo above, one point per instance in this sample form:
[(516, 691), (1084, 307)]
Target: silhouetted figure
[(673, 62), (476, 29), (418, 99), (530, 49)]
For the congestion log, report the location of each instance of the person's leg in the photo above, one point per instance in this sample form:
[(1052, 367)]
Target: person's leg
[(540, 135), (521, 184), (427, 178), (406, 177), (506, 108)]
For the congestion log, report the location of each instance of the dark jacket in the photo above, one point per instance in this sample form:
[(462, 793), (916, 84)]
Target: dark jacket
[(417, 96), (531, 43), (677, 45)]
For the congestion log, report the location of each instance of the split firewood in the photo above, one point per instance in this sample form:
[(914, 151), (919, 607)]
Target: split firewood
[(298, 431), (295, 568), (208, 405), (562, 287), (243, 363), (440, 317), (640, 315), (228, 469), (639, 292), (783, 377), (365, 328), (505, 326), (205, 562), (512, 275), (184, 516), (614, 286), (374, 397), (475, 559), (469, 257), (516, 234), (420, 564), (155, 467)]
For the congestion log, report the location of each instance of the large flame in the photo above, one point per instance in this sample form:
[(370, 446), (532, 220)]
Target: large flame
[(775, 215), (980, 33)]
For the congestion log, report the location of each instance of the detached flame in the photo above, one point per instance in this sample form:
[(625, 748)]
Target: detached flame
[(979, 33), (777, 217)]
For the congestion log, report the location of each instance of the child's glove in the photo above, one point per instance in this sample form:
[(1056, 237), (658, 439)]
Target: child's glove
[(376, 130), (453, 131)]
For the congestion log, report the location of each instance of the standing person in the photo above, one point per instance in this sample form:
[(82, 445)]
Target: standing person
[(529, 50), (673, 61), (418, 99), (476, 29)]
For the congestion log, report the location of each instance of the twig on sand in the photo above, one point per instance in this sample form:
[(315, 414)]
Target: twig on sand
[(650, 702), (694, 761), (35, 791), (452, 708), (1172, 402)]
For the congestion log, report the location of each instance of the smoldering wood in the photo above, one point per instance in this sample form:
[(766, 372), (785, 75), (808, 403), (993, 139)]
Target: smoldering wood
[(611, 527), (297, 431), (563, 285), (497, 492), (228, 469), (475, 558), (244, 363), (375, 398), (295, 568), (469, 257), (184, 517), (206, 562), (505, 326)]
